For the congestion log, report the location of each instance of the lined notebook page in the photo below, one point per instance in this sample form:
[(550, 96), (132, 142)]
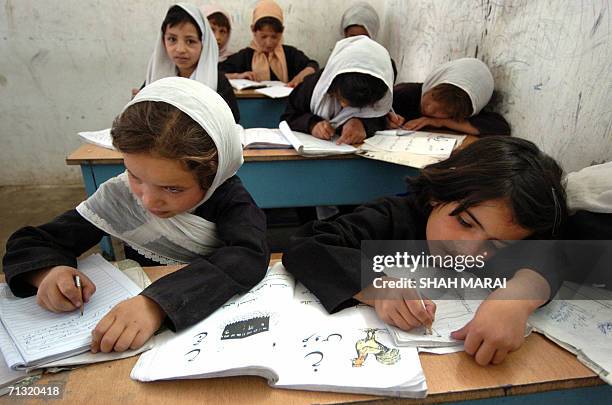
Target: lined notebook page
[(43, 335)]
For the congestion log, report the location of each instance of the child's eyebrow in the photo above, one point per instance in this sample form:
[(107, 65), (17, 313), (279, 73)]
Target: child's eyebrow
[(475, 219)]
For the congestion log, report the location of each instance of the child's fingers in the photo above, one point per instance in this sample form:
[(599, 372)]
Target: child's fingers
[(500, 355), (430, 307), (67, 287), (472, 342), (111, 336), (99, 331), (418, 311), (125, 340), (88, 287), (406, 316), (485, 354), (58, 302), (140, 339)]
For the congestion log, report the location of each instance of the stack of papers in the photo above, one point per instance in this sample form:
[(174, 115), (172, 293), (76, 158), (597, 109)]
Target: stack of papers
[(270, 88), (410, 148), (264, 138), (579, 319), (101, 138)]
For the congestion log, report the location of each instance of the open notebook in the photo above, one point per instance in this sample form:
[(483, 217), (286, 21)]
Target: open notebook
[(31, 335), (270, 88), (280, 331), (308, 145), (101, 138)]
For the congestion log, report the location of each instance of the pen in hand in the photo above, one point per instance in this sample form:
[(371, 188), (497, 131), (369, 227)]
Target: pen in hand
[(77, 282), (428, 326)]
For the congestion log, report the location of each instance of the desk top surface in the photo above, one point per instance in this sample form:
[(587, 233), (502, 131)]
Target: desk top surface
[(539, 365), (251, 93)]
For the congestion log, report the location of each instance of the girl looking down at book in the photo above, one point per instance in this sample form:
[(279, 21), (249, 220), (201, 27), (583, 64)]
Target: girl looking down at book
[(495, 191), (186, 47), (178, 202), (351, 96), (453, 97), (267, 58)]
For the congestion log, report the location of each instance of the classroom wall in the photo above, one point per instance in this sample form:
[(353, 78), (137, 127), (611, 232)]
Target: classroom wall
[(551, 59), (69, 65)]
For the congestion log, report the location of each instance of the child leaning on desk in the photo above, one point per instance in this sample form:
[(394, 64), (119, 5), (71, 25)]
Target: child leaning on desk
[(496, 190), (179, 201), (351, 95)]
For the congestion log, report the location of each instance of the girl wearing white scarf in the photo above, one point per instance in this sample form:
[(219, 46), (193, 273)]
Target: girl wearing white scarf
[(179, 202), (186, 47), (452, 96), (353, 92), (359, 18)]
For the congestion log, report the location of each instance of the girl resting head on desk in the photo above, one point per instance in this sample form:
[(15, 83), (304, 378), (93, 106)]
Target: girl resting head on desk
[(453, 96), (187, 47), (495, 191), (350, 96), (178, 202)]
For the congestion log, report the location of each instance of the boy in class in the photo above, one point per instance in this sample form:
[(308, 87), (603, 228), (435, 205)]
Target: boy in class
[(267, 58), (452, 96), (351, 96), (178, 202), (220, 23), (360, 18), (186, 47), (495, 190)]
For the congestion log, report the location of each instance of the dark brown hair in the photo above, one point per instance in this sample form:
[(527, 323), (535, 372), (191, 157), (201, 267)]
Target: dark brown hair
[(220, 20), (458, 103), (499, 167), (176, 16), (273, 23), (165, 131)]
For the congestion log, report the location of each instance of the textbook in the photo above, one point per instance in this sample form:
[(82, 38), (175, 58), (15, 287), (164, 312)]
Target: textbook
[(270, 88), (579, 319), (31, 336), (101, 138), (281, 332), (264, 138), (309, 145)]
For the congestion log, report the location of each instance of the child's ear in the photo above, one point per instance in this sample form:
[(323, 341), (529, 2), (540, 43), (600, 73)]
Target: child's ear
[(253, 28)]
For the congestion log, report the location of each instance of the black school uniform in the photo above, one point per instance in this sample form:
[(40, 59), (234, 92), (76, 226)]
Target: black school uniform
[(242, 60), (300, 118), (407, 103), (188, 295), (326, 256), (225, 90)]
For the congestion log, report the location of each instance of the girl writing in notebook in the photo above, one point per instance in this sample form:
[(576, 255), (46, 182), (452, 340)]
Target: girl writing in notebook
[(496, 190), (267, 58), (351, 96), (186, 47), (453, 97), (179, 201)]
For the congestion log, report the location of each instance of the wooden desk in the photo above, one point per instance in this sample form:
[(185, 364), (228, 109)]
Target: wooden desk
[(279, 177), (259, 111), (539, 367)]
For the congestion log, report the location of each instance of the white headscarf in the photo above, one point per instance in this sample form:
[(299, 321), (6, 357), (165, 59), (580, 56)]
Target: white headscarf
[(590, 189), (470, 75), (357, 54), (160, 65), (361, 13), (208, 10), (180, 239)]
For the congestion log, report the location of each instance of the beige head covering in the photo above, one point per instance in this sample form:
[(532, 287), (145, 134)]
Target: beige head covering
[(276, 61), (210, 9)]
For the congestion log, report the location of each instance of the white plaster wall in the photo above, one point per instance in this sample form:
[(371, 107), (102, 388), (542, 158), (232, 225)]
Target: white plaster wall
[(551, 59), (69, 65)]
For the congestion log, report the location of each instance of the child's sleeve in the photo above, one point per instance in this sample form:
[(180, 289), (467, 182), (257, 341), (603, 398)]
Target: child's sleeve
[(298, 61), (490, 123), (326, 256), (236, 63), (57, 243), (194, 292), (298, 114), (225, 90)]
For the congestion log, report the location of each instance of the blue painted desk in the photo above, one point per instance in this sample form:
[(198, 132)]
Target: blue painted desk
[(259, 111), (280, 177)]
